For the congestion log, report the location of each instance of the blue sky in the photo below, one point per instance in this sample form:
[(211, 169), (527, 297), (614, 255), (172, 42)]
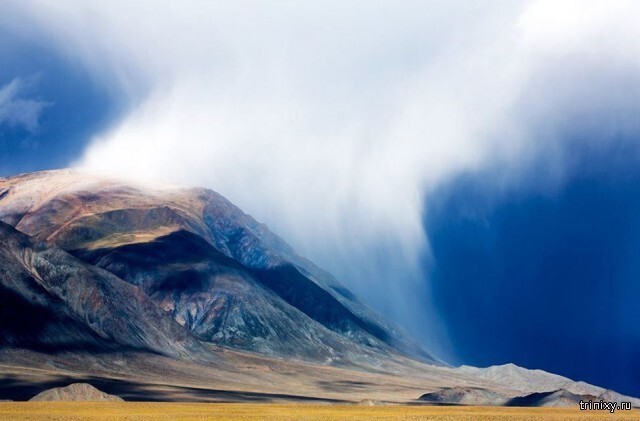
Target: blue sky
[(544, 279), (50, 107), (469, 171)]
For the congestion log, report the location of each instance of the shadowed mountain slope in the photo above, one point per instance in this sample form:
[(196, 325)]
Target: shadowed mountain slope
[(222, 302), (561, 398), (54, 302)]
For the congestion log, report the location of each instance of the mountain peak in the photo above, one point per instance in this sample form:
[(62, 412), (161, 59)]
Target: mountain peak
[(213, 269)]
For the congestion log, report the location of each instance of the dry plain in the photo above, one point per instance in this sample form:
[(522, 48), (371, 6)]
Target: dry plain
[(231, 411)]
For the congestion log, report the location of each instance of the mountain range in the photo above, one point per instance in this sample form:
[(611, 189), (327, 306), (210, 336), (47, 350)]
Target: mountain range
[(160, 292)]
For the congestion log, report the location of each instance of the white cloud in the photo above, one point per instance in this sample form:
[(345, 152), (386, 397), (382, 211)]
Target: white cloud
[(17, 111), (332, 120)]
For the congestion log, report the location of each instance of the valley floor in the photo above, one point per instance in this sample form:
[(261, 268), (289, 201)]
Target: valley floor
[(218, 411)]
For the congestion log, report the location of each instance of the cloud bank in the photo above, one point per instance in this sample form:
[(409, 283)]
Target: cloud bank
[(333, 121)]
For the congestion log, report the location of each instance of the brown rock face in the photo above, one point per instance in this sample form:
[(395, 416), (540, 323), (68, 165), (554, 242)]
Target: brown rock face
[(79, 392)]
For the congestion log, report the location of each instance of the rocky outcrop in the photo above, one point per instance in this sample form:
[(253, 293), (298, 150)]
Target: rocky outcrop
[(370, 402), (464, 396), (78, 392)]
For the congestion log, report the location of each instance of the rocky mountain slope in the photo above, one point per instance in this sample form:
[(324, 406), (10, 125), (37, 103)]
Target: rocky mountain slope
[(222, 276), (50, 300)]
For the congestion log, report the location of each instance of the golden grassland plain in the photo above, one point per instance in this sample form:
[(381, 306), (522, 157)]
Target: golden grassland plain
[(272, 412)]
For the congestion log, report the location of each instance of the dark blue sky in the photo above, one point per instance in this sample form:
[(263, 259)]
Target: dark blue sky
[(74, 106), (544, 276)]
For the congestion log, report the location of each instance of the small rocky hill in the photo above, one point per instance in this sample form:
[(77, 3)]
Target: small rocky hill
[(530, 382), (79, 392), (559, 398), (464, 396)]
